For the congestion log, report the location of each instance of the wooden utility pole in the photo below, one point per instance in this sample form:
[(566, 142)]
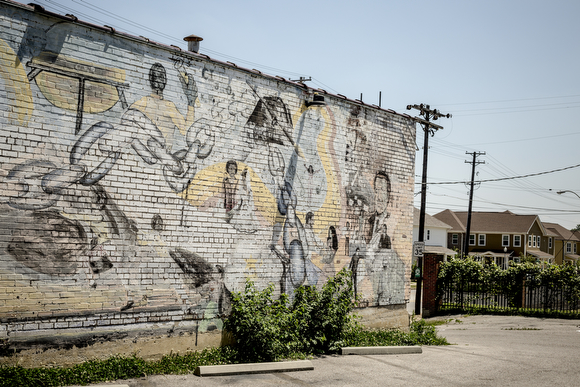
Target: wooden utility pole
[(429, 128), (468, 229)]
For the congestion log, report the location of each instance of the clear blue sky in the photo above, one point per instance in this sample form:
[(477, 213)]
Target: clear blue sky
[(508, 71)]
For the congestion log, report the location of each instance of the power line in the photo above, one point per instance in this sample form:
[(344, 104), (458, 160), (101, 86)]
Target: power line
[(526, 109), (509, 178), (510, 100)]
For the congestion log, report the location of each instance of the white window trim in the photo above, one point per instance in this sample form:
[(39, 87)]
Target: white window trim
[(474, 240), (479, 239), (550, 242), (568, 247), (529, 241), (454, 239), (517, 241), (502, 240)]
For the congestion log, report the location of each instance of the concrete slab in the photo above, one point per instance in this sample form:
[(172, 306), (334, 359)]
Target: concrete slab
[(254, 368), (106, 385), (395, 350)]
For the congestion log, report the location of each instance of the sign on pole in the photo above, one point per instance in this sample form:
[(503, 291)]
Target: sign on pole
[(418, 248)]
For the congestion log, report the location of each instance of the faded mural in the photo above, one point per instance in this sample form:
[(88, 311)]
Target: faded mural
[(137, 178)]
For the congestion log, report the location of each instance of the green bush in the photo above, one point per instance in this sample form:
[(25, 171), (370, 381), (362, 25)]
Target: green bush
[(316, 321), (466, 275)]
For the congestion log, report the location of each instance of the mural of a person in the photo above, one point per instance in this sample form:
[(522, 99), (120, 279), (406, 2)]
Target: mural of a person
[(384, 267), (239, 199), (230, 185), (382, 192), (355, 266), (301, 270), (153, 127), (163, 113)]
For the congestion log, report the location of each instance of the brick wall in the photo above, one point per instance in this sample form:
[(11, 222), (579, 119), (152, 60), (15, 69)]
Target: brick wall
[(431, 263), (140, 185)]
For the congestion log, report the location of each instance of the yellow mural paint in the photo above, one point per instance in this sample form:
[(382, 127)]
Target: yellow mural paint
[(208, 183), (251, 264), (61, 86), (16, 86), (29, 301), (329, 213)]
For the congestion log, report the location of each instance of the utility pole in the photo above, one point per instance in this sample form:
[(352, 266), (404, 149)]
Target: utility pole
[(429, 128), (468, 230)]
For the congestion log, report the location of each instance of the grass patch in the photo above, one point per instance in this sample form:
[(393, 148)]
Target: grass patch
[(114, 368), (435, 323), (421, 333)]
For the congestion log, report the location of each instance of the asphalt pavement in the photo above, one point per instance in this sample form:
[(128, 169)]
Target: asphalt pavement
[(485, 351)]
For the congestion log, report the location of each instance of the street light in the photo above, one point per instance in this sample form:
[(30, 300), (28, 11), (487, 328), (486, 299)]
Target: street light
[(566, 190), (563, 251)]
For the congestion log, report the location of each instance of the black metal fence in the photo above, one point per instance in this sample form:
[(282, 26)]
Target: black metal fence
[(538, 299)]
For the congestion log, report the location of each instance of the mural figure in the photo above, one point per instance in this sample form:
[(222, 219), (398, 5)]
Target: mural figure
[(382, 192), (230, 185), (239, 200), (355, 267), (359, 201), (153, 127), (384, 267), (54, 234), (331, 245), (370, 240)]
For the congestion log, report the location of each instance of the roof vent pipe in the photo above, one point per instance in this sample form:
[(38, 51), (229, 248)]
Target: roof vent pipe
[(193, 43)]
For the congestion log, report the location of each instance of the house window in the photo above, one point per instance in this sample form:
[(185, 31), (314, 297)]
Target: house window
[(505, 240), (539, 240), (428, 234), (568, 247), (529, 241), (574, 248), (534, 240), (550, 242), (517, 240), (454, 239), (471, 239), (481, 240)]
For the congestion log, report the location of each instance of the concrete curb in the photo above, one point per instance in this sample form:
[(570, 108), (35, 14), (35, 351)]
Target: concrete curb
[(254, 368), (106, 385), (395, 350)]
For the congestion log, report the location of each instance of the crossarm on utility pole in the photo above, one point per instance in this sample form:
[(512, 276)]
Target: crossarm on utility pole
[(429, 129)]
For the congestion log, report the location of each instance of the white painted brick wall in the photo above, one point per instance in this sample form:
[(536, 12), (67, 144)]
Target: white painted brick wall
[(129, 220)]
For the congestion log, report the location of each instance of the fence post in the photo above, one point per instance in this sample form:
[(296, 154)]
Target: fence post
[(523, 297), (430, 272)]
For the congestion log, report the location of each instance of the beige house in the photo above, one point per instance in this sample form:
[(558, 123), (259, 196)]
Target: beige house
[(500, 236), (564, 242)]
